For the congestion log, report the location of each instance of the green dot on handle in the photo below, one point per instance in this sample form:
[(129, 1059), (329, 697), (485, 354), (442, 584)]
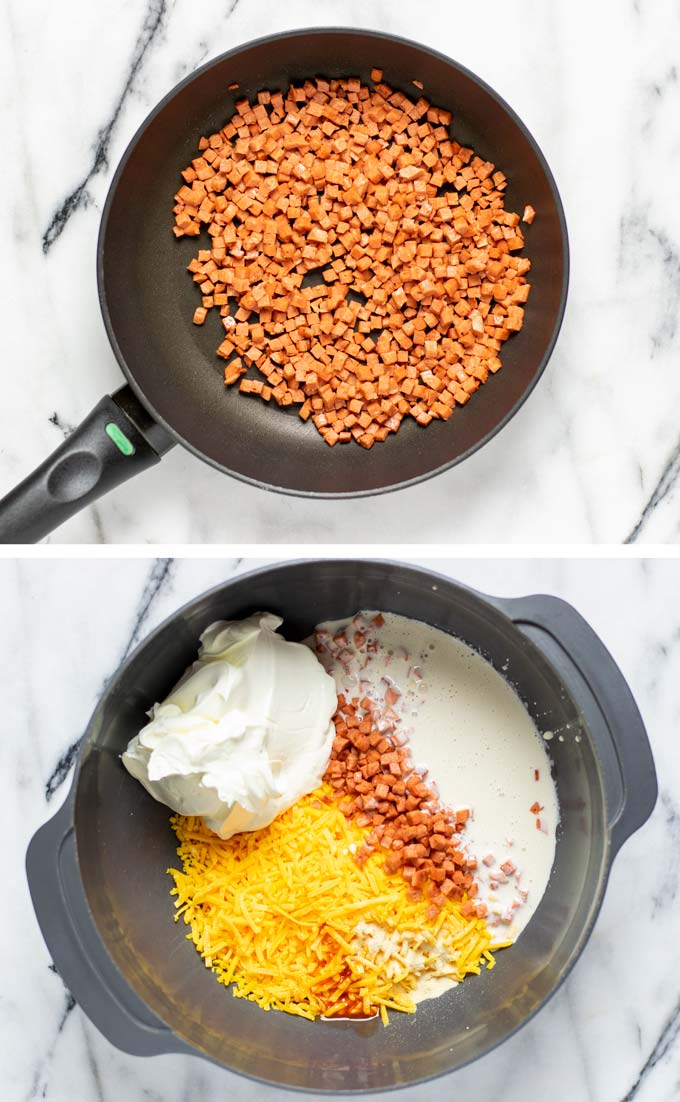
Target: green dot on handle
[(119, 438)]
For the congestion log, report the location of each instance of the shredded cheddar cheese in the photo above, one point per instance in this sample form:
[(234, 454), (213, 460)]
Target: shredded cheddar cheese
[(282, 914)]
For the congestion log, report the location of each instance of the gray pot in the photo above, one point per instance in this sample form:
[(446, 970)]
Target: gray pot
[(97, 870)]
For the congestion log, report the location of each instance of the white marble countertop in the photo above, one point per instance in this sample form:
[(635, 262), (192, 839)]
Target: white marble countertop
[(610, 1034), (593, 456)]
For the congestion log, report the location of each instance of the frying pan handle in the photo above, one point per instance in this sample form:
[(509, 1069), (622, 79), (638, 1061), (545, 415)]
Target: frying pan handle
[(116, 440), (77, 950), (600, 687)]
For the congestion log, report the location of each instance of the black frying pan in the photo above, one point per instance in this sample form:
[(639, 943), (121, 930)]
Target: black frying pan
[(175, 390)]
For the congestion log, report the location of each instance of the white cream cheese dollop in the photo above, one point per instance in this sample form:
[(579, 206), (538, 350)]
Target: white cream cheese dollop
[(244, 734)]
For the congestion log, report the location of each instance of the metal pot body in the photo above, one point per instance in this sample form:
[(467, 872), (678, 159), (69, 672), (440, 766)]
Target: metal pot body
[(104, 857)]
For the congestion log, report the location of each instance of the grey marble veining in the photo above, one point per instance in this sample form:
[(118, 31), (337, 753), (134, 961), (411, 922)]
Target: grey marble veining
[(592, 456), (610, 1034)]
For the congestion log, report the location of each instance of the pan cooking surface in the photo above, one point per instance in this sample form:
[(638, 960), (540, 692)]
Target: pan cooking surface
[(148, 297)]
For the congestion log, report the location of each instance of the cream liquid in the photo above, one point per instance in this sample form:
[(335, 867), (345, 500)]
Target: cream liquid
[(467, 726)]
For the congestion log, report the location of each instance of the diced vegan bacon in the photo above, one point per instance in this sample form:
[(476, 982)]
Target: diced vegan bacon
[(419, 835), (419, 282)]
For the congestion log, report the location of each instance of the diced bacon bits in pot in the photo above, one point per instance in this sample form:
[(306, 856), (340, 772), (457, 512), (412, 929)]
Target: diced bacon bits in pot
[(416, 277), (373, 777)]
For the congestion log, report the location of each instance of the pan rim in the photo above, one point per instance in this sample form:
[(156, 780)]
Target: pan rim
[(290, 491)]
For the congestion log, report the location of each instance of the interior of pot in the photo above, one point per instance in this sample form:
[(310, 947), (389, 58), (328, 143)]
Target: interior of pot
[(125, 845), (149, 298)]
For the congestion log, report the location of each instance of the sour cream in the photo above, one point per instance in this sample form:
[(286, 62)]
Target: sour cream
[(468, 728), (244, 734)]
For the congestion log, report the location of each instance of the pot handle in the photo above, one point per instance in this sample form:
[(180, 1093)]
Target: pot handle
[(116, 440), (630, 780), (77, 950)]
